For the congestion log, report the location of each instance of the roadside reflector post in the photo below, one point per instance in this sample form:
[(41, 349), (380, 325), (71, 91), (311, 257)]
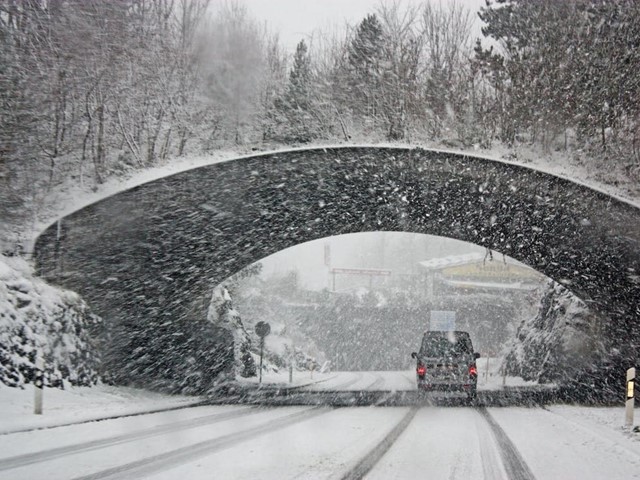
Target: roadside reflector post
[(631, 380), (38, 383), (291, 373)]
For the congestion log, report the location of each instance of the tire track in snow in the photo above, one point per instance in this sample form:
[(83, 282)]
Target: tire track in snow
[(189, 453), (376, 383), (45, 455), (366, 463), (348, 383), (112, 417), (492, 464), (310, 384), (514, 465), (332, 388)]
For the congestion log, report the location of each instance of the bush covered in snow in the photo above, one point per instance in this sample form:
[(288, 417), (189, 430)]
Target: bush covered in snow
[(279, 348), (271, 302), (36, 317), (222, 315), (557, 342)]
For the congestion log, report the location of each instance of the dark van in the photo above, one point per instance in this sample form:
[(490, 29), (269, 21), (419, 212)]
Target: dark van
[(446, 362)]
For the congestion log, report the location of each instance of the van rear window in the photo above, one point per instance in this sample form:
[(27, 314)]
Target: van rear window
[(445, 344)]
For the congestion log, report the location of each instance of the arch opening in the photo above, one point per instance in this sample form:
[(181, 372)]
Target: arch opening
[(361, 302)]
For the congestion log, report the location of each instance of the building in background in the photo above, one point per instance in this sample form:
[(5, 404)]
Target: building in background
[(478, 273)]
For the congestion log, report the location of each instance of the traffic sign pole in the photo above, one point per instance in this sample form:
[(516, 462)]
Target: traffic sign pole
[(261, 353), (262, 329)]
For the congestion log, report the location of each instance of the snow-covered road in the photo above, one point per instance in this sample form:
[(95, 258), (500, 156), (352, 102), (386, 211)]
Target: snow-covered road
[(391, 381), (360, 381), (242, 442)]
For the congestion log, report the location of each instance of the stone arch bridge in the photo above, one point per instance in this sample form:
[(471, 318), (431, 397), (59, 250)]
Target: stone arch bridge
[(145, 254)]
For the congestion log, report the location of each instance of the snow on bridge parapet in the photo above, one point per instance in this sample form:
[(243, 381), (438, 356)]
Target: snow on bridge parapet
[(70, 198)]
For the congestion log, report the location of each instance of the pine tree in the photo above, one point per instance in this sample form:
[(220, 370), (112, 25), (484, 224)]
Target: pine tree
[(223, 316), (566, 64), (365, 58), (294, 111), (298, 95)]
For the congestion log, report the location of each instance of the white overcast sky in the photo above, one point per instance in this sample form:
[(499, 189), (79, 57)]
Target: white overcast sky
[(298, 19), (375, 250)]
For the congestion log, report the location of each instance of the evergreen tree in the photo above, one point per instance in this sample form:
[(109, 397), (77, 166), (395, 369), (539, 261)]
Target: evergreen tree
[(298, 95), (566, 64), (604, 64), (223, 316), (294, 111), (365, 57), (535, 37)]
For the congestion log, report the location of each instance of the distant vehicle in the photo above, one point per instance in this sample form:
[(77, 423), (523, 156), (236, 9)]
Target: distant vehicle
[(446, 362)]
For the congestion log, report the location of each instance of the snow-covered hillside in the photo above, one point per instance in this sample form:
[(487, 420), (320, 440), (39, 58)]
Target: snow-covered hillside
[(37, 319), (555, 343)]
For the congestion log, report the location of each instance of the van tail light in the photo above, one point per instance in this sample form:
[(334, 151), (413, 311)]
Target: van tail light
[(421, 370), (473, 371)]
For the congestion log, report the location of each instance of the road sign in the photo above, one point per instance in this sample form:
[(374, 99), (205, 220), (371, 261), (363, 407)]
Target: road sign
[(262, 329), (442, 320), (369, 272), (362, 271)]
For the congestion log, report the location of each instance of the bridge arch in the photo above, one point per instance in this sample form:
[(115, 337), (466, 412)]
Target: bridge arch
[(145, 252)]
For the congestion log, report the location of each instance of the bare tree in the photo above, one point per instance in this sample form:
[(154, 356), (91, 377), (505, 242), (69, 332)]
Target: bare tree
[(233, 65), (403, 49), (446, 33)]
